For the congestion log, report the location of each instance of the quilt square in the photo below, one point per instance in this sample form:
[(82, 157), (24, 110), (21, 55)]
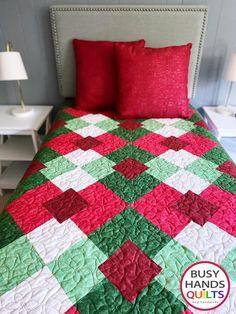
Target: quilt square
[(18, 261), (65, 205), (170, 131), (94, 118), (130, 135), (137, 270), (180, 158), (39, 293), (80, 157), (195, 207), (197, 145), (130, 124), (65, 143), (228, 167), (130, 168), (184, 181), (174, 143), (151, 143), (90, 130), (109, 143), (52, 238), (87, 143), (161, 169), (80, 269), (209, 242)]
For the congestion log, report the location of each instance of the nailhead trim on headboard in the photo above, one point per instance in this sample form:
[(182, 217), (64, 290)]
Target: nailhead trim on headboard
[(68, 8)]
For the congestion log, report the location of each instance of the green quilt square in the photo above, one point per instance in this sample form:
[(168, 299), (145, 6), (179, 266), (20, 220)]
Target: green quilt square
[(99, 168), (55, 133), (62, 115), (18, 261), (76, 124), (195, 118), (77, 269), (56, 167), (229, 264), (204, 132), (161, 169), (130, 190), (153, 299), (107, 125), (152, 125), (46, 154), (129, 225), (130, 151), (130, 135), (227, 183), (217, 155), (205, 169), (174, 259), (9, 230), (184, 125)]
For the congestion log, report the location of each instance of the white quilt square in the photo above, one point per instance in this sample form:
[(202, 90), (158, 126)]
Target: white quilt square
[(76, 179), (90, 130), (40, 293), (52, 238), (168, 120), (184, 181), (180, 158), (208, 242), (80, 157), (169, 130), (94, 118)]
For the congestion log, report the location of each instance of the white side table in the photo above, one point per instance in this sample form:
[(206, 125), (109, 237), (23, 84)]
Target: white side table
[(221, 125), (22, 143)]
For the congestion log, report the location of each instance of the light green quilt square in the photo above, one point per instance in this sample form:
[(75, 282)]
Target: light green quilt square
[(76, 124), (152, 124), (107, 125), (174, 259), (229, 264), (161, 169), (18, 261), (204, 169), (56, 167), (77, 269), (184, 125), (99, 168)]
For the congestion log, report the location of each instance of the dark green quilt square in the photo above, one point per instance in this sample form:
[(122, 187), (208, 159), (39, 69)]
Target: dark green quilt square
[(46, 154), (130, 151), (216, 155), (105, 298), (130, 190), (62, 115), (204, 132), (56, 133), (130, 135), (9, 230), (129, 225), (227, 183)]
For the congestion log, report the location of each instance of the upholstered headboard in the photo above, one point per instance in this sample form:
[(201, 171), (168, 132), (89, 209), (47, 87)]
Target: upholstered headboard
[(159, 25)]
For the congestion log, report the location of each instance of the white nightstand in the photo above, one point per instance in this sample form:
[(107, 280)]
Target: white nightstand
[(224, 127), (22, 142)]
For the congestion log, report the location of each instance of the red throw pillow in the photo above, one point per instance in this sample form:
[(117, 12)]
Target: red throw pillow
[(96, 85), (153, 82)]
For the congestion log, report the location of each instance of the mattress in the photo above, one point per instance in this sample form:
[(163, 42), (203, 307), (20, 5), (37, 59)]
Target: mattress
[(110, 214)]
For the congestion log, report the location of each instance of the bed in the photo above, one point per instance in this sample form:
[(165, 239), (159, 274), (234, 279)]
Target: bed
[(110, 213)]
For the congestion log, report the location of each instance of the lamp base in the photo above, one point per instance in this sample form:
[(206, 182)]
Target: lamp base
[(20, 112), (225, 111)]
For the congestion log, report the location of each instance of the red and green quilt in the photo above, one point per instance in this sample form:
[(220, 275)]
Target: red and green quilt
[(110, 213)]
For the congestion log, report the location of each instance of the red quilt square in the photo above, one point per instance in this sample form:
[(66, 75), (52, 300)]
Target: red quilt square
[(174, 143), (155, 206), (195, 207), (228, 167), (28, 210), (130, 124), (130, 270), (65, 143), (57, 124), (87, 143), (109, 143), (73, 310), (151, 143), (65, 205), (202, 124), (198, 145), (103, 206), (130, 168), (225, 217)]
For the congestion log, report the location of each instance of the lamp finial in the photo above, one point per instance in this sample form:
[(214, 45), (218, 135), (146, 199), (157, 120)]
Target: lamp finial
[(9, 46)]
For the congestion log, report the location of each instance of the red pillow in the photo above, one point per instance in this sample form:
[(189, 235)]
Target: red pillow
[(153, 82), (96, 85)]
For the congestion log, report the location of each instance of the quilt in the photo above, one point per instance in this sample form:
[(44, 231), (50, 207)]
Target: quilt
[(111, 212)]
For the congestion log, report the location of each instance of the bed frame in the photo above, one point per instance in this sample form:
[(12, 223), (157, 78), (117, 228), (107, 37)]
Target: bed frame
[(159, 25)]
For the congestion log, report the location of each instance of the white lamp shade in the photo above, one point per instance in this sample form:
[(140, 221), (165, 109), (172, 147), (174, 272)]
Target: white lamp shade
[(11, 66), (230, 73)]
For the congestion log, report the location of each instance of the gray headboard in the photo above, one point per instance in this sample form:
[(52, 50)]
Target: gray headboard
[(159, 25)]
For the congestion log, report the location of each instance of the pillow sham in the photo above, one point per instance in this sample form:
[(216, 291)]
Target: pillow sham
[(96, 78), (153, 82)]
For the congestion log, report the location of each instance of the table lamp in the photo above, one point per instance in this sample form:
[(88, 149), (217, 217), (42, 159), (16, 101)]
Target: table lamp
[(229, 75), (12, 69)]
